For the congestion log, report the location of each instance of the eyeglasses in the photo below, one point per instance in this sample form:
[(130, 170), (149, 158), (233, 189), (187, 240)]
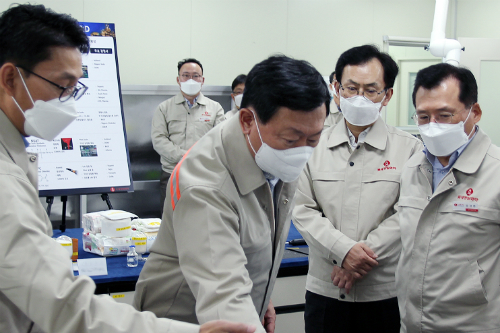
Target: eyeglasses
[(196, 77), (423, 118), (67, 92), (369, 93)]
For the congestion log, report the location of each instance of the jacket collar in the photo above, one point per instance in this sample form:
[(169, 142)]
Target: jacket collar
[(471, 158), (247, 174), (13, 143), (376, 137), (11, 140), (179, 99)]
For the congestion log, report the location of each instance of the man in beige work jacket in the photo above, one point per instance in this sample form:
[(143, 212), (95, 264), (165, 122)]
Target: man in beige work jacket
[(345, 204), (40, 64), (181, 120), (335, 115), (449, 211), (229, 201)]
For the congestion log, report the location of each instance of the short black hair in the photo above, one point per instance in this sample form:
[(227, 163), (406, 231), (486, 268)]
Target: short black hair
[(432, 76), (239, 80), (27, 32), (360, 55), (280, 81), (331, 77), (188, 60)]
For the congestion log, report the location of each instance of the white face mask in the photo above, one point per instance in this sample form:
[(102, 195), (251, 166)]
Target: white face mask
[(444, 139), (237, 100), (46, 119), (285, 164), (191, 87), (333, 92), (359, 110)]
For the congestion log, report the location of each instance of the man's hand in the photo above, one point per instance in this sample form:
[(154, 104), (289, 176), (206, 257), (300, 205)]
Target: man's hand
[(269, 321), (343, 278), (222, 326), (360, 259)]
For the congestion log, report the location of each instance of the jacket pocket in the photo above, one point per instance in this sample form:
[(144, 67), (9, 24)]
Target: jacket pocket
[(412, 202), (176, 126), (327, 176), (475, 282), (387, 176)]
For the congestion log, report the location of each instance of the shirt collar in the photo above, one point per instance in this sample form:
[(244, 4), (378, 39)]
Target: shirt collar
[(189, 103), (26, 142), (361, 137), (200, 99), (272, 179), (375, 137)]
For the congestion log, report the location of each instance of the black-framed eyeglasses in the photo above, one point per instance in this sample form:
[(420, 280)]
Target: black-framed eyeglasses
[(196, 77), (67, 92), (369, 93)]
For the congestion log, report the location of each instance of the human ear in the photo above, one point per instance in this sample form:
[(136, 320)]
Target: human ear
[(246, 120)]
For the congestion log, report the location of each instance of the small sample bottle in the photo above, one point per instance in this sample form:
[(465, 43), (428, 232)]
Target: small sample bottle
[(132, 258)]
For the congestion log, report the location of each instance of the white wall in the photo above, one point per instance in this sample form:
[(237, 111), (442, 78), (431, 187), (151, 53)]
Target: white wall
[(478, 18), (230, 36)]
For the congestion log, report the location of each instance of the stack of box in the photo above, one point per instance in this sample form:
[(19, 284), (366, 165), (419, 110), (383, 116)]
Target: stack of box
[(107, 233), (144, 234)]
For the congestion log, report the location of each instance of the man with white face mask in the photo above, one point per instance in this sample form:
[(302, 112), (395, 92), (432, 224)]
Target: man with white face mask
[(335, 115), (237, 87), (181, 120), (228, 207), (346, 201), (447, 276), (40, 64)]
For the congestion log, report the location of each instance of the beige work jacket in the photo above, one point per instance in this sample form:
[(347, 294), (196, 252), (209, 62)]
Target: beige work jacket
[(448, 275), (334, 117), (220, 246), (38, 292), (231, 113), (345, 197), (176, 127)]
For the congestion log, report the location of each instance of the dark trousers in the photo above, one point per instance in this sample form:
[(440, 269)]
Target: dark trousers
[(325, 315), (163, 188)]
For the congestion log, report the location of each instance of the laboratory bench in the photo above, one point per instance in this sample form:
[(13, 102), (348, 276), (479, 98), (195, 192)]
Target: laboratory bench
[(288, 295)]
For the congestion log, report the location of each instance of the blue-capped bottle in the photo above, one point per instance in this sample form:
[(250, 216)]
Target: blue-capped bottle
[(132, 257)]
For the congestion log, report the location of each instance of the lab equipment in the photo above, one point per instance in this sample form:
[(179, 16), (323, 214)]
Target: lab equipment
[(132, 258), (105, 245), (448, 49), (67, 243), (112, 223)]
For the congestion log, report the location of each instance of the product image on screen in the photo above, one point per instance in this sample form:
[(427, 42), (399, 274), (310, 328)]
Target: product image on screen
[(67, 143), (85, 70), (88, 151)]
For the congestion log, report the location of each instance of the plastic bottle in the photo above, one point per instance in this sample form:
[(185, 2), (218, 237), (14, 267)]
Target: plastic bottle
[(132, 258)]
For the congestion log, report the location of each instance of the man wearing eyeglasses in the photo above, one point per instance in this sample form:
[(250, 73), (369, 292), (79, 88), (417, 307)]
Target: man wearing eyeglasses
[(448, 272), (346, 203), (181, 120), (238, 87), (40, 64), (335, 115)]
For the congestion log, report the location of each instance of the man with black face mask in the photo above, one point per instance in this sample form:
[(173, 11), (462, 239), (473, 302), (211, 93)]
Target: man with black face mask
[(346, 201)]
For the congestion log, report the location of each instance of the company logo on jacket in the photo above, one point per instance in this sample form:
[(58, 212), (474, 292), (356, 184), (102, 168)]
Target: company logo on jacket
[(205, 117), (387, 166), (468, 197)]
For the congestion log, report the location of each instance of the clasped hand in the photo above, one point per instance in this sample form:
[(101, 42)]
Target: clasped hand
[(358, 262)]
